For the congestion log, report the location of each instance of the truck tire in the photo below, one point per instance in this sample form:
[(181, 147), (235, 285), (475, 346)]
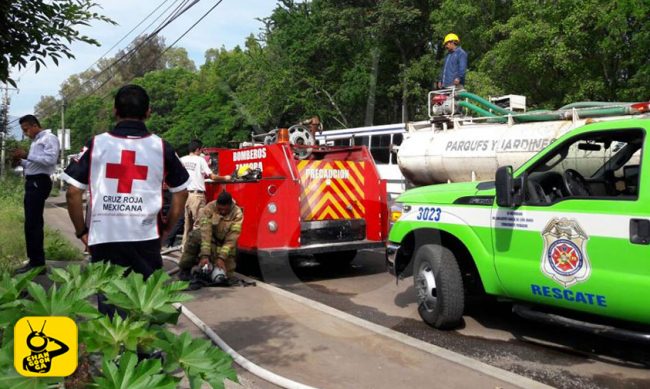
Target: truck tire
[(439, 287)]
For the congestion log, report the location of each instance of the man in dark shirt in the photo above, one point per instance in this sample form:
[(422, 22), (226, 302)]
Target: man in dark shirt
[(124, 171), (453, 71)]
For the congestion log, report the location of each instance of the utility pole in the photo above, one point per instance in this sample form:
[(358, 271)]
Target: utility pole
[(62, 140), (5, 128)]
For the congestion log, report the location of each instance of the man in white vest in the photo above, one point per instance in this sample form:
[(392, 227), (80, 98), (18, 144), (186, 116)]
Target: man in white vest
[(123, 171), (198, 169)]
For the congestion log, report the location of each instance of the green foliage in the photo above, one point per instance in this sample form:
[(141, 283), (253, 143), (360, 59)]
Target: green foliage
[(57, 301), (9, 377), (129, 373), (87, 116), (111, 344), (358, 63), (58, 248), (11, 301), (198, 358), (112, 337), (86, 280), (165, 88), (566, 51), (152, 299), (12, 239), (35, 30)]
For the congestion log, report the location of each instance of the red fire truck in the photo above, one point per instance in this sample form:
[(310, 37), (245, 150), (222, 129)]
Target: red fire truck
[(307, 199)]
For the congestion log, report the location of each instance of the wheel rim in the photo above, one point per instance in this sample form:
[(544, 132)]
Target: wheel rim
[(425, 285)]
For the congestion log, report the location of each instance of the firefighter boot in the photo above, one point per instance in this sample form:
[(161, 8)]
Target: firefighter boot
[(191, 251), (184, 275)]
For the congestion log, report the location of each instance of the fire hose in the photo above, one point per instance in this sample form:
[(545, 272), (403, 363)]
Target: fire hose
[(254, 369)]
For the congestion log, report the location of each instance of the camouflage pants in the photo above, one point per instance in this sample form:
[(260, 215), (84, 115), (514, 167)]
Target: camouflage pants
[(192, 249)]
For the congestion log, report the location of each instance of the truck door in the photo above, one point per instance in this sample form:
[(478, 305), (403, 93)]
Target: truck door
[(581, 238)]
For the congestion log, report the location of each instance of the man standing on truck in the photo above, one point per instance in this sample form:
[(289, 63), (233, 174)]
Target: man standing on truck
[(453, 71), (215, 242), (198, 169)]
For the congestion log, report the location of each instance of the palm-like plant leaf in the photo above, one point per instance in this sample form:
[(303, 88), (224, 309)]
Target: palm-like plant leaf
[(199, 358), (152, 299), (11, 289), (111, 337), (12, 286), (89, 279), (11, 303), (130, 374), (64, 301)]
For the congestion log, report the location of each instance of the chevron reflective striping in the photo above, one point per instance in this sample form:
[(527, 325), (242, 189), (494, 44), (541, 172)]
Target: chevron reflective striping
[(307, 202), (331, 190), (353, 204), (359, 177), (355, 168), (327, 201), (357, 201)]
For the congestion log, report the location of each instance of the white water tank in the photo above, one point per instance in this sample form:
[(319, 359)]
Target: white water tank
[(474, 151)]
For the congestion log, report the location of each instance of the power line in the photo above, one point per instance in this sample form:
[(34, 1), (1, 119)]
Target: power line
[(31, 65), (176, 41), (133, 29), (133, 50), (193, 25), (173, 16)]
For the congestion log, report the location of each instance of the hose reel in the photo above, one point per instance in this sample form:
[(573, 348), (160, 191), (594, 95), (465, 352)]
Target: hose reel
[(299, 135)]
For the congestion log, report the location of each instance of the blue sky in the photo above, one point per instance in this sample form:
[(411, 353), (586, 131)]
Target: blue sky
[(227, 25)]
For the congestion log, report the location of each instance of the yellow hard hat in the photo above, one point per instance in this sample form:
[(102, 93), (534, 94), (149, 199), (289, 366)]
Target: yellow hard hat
[(243, 170), (451, 37)]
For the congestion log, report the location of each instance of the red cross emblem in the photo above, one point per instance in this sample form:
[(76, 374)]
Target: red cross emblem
[(126, 171)]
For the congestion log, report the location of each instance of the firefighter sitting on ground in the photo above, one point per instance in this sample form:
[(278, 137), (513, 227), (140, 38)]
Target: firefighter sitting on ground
[(213, 245)]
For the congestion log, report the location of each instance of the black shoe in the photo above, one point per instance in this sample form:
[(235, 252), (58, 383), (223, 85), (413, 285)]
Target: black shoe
[(195, 285), (184, 275), (29, 267)]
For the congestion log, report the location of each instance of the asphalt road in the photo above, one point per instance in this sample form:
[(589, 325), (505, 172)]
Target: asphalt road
[(491, 333)]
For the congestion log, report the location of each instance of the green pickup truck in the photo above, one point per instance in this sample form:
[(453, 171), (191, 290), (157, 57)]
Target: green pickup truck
[(569, 230)]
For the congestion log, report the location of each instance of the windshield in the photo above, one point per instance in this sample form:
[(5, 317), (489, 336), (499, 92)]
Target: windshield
[(601, 164)]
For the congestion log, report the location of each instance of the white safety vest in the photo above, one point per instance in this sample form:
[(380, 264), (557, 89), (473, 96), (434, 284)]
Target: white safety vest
[(126, 177)]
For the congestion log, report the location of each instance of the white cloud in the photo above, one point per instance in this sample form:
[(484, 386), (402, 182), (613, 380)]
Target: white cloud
[(227, 25)]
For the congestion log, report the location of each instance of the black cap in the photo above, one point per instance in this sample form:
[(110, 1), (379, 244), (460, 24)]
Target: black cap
[(224, 198)]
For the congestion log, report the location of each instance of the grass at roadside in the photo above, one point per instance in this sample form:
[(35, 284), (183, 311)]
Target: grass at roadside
[(12, 238)]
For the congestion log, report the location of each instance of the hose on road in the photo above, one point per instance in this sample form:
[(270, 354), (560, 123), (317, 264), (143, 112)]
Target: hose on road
[(254, 369)]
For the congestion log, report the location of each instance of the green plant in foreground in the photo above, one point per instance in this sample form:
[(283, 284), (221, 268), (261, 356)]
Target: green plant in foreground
[(12, 239), (112, 351), (58, 248)]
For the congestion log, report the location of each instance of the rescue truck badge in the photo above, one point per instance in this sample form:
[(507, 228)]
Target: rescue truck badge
[(564, 259)]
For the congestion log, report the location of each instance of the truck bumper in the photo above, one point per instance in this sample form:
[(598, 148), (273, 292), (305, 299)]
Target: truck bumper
[(391, 257), (319, 248)]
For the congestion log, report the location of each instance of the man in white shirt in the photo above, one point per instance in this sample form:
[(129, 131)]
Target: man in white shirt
[(198, 169), (38, 166)]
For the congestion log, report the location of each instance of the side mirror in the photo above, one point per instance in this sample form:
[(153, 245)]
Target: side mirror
[(504, 187)]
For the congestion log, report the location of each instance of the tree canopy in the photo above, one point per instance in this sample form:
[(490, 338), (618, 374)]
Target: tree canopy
[(371, 62), (35, 30)]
